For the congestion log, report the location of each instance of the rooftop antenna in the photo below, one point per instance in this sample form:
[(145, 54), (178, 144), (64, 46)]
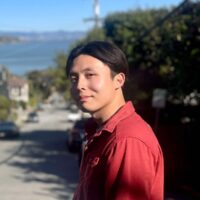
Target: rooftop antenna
[(96, 18)]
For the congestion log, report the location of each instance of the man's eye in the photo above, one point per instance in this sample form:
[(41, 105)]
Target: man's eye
[(89, 75), (73, 79)]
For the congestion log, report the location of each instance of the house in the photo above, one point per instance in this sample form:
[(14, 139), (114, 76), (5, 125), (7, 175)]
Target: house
[(13, 87), (18, 89)]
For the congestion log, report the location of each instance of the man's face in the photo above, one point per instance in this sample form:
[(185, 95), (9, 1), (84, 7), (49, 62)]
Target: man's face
[(92, 85)]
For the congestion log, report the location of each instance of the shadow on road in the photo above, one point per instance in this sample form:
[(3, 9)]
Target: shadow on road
[(44, 160)]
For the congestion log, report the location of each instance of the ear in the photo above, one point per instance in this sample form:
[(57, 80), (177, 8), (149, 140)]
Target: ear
[(119, 80)]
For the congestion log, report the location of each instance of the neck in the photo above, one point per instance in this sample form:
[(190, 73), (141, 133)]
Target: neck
[(105, 113)]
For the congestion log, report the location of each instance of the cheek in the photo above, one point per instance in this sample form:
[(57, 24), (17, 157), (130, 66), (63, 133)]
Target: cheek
[(97, 85)]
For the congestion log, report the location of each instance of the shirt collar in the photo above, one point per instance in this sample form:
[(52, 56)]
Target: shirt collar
[(109, 126)]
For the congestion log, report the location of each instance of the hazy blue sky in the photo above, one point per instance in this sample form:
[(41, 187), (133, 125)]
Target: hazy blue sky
[(41, 15)]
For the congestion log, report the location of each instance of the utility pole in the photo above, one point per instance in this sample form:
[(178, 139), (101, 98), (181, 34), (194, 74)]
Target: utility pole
[(96, 18)]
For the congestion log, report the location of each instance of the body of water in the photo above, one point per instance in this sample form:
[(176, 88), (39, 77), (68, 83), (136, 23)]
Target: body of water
[(20, 58)]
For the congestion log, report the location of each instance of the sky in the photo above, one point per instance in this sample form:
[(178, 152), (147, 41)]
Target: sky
[(53, 15)]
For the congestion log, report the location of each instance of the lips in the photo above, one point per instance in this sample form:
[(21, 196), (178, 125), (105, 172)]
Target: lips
[(84, 98)]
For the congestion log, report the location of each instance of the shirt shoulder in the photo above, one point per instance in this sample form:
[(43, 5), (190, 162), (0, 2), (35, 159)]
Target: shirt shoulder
[(136, 128)]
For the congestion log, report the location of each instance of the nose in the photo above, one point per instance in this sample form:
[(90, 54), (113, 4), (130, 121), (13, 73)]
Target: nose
[(81, 83)]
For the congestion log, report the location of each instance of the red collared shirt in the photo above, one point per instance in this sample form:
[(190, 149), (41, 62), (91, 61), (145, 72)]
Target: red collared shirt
[(122, 161)]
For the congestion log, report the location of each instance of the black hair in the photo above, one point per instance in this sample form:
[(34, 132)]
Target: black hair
[(106, 52)]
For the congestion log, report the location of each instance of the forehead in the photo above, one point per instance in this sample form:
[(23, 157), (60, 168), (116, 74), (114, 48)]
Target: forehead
[(88, 63)]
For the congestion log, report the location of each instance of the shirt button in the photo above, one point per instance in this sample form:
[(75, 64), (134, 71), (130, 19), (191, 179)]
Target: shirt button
[(86, 147), (91, 140)]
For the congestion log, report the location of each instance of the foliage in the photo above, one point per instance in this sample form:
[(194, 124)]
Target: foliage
[(36, 87), (42, 83), (167, 57), (94, 34), (4, 108)]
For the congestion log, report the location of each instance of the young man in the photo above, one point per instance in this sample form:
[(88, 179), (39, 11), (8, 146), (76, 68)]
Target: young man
[(122, 159)]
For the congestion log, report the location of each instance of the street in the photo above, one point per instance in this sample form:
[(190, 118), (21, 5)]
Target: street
[(37, 165)]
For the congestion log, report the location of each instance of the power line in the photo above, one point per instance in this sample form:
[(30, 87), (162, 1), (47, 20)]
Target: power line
[(160, 22)]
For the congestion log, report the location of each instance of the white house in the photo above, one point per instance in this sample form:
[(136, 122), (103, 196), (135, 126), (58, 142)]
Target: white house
[(17, 89)]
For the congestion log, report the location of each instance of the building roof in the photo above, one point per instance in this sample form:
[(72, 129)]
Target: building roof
[(15, 81)]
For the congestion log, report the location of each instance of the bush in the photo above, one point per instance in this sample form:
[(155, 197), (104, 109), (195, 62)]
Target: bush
[(4, 108)]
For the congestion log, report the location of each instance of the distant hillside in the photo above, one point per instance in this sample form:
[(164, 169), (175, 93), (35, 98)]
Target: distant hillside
[(8, 39), (40, 36)]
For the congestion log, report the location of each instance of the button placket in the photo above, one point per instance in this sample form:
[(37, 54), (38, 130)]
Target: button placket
[(86, 147), (90, 141)]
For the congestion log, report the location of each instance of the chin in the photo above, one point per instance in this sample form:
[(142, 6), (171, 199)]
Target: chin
[(86, 108)]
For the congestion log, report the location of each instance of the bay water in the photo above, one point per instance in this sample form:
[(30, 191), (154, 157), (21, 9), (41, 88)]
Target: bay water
[(21, 58)]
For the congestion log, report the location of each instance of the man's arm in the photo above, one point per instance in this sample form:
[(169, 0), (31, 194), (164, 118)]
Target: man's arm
[(132, 172)]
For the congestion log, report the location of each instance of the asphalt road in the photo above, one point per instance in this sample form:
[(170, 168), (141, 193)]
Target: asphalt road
[(37, 165)]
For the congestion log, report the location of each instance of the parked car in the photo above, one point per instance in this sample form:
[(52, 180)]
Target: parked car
[(40, 107), (33, 117), (74, 115), (8, 129), (75, 136)]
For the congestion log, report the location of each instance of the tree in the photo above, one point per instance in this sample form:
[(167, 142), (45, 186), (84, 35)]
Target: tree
[(4, 108), (167, 57)]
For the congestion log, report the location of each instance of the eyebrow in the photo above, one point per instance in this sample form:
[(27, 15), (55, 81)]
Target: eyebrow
[(84, 70)]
